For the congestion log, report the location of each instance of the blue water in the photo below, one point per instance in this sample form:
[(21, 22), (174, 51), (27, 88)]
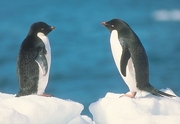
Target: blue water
[(82, 67)]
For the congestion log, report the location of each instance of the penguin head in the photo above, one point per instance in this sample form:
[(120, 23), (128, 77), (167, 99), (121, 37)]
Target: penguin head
[(116, 24), (40, 27)]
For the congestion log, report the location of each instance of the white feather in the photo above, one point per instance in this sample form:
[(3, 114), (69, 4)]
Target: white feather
[(116, 49), (43, 79)]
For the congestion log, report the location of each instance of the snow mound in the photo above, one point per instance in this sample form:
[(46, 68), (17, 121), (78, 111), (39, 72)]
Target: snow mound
[(35, 109), (82, 120), (140, 110)]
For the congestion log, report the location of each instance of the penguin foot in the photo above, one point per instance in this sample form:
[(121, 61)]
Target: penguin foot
[(129, 94), (45, 95)]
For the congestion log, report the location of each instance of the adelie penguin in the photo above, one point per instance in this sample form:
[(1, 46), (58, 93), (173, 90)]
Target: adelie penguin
[(34, 60), (130, 58)]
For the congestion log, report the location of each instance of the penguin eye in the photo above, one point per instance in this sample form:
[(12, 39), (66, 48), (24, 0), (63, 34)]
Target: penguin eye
[(112, 26), (42, 29)]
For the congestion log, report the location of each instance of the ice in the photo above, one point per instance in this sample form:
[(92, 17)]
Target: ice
[(112, 109), (82, 120), (35, 109), (167, 15), (149, 109)]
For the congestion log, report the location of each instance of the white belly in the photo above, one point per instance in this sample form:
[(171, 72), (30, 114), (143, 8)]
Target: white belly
[(116, 49), (43, 80)]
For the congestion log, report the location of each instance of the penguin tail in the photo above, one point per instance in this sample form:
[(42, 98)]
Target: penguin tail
[(165, 94), (22, 93), (18, 95), (156, 92)]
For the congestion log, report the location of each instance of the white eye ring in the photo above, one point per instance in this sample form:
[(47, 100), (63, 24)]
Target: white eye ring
[(112, 26), (42, 28)]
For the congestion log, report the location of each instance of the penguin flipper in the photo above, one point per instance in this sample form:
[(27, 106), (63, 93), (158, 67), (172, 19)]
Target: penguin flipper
[(42, 62), (124, 60)]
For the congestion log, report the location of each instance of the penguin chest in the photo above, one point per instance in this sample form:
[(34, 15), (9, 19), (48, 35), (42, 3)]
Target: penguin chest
[(43, 79), (117, 50)]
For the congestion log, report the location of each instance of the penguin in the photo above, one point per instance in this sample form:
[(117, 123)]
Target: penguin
[(130, 58), (34, 60)]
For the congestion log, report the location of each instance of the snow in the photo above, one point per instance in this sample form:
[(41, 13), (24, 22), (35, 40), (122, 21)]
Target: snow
[(149, 109), (82, 120), (112, 109), (35, 109)]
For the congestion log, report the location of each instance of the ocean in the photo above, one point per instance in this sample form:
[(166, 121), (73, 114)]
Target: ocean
[(82, 67)]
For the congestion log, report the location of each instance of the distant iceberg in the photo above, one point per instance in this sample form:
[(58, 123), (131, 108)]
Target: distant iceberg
[(167, 15)]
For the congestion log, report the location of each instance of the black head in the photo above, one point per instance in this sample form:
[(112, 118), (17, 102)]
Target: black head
[(116, 24), (40, 27)]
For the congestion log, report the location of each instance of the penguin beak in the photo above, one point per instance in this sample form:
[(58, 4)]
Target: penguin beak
[(52, 27), (104, 23)]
